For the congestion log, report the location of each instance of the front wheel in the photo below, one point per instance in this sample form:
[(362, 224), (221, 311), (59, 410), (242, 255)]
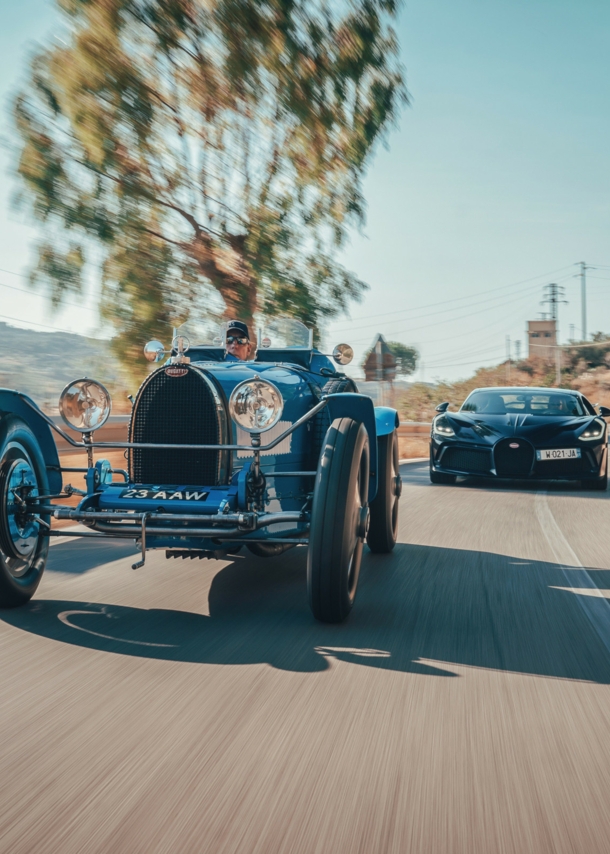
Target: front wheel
[(383, 529), (23, 544), (339, 520)]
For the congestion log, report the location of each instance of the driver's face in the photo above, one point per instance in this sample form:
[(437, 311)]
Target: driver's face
[(241, 351)]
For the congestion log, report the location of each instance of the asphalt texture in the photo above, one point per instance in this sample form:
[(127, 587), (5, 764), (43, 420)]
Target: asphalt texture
[(196, 706)]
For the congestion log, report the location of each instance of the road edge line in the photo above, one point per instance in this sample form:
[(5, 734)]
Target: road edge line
[(597, 609)]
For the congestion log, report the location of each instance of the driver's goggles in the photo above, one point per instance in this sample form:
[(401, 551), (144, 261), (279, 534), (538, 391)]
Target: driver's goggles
[(231, 339)]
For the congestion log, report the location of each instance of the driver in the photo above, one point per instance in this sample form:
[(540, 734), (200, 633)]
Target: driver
[(237, 342)]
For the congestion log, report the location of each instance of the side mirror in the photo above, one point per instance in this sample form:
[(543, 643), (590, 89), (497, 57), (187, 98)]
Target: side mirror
[(442, 407), (343, 354), (604, 411), (154, 351)]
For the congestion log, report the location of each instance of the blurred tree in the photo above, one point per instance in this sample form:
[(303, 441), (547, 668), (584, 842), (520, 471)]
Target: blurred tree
[(406, 358), (208, 149)]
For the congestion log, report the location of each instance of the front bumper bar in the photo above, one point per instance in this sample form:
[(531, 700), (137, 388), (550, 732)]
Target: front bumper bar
[(225, 525), (86, 446)]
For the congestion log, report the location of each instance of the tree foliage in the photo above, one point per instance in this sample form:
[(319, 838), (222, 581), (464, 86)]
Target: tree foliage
[(209, 152), (406, 358)]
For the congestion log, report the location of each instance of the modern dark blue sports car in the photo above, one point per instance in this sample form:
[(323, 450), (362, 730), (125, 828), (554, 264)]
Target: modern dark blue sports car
[(521, 433)]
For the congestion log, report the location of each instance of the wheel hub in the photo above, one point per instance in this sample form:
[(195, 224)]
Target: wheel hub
[(19, 530), (364, 518)]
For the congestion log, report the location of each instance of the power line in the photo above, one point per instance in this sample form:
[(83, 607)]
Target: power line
[(38, 294), (523, 292), (440, 322), (458, 299), (46, 326)]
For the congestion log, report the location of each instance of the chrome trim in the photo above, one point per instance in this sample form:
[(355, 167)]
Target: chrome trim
[(247, 522), (302, 420), (223, 469)]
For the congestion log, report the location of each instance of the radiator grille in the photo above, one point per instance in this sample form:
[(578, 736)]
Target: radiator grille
[(474, 460), (178, 410), (513, 461)]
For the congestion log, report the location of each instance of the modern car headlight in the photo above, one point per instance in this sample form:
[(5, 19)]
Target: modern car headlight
[(85, 405), (595, 430), (256, 405), (442, 427)]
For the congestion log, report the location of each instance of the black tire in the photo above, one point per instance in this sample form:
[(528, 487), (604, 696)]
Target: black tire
[(268, 549), (339, 520), (341, 384), (321, 422), (440, 477), (23, 545), (383, 528)]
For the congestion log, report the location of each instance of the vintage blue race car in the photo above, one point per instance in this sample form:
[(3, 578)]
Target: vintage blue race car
[(222, 454)]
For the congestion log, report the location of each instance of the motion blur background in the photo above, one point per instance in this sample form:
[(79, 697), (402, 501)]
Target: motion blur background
[(494, 183)]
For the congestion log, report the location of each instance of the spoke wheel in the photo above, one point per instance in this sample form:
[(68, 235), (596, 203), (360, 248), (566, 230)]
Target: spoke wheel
[(23, 542), (383, 530), (339, 521)]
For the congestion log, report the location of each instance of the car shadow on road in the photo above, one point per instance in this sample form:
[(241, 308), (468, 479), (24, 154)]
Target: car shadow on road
[(420, 610), (77, 557)]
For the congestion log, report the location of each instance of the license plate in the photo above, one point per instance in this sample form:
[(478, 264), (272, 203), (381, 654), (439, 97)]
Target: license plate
[(166, 494), (558, 454)]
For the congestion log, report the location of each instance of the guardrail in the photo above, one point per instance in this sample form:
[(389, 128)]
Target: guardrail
[(115, 430)]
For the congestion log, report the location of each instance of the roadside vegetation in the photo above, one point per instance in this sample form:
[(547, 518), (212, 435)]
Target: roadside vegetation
[(586, 368)]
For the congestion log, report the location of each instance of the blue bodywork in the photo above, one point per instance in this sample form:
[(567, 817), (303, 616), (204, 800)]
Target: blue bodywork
[(300, 375)]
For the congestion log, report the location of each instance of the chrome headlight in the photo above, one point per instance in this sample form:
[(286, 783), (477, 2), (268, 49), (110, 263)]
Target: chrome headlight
[(256, 405), (442, 427), (595, 430), (85, 405)]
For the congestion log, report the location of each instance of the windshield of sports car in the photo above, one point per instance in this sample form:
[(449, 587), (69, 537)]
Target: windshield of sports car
[(523, 403)]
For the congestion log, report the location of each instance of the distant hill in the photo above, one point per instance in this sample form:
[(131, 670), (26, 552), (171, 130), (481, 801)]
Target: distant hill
[(42, 363)]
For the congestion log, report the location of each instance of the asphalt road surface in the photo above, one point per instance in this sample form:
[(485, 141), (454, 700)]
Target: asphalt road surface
[(196, 706)]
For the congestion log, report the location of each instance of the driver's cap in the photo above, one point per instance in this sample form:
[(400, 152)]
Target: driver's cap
[(238, 325)]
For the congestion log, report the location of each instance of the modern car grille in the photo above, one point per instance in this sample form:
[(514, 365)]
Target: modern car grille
[(180, 410), (475, 460), (513, 458)]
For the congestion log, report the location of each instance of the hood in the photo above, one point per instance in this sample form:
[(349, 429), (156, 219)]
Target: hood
[(292, 382), (533, 427)]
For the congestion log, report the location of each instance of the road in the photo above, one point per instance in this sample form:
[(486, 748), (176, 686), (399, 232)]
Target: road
[(195, 706)]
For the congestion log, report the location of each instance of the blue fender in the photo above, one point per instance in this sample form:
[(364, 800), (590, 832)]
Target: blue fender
[(12, 404), (386, 419), (360, 408)]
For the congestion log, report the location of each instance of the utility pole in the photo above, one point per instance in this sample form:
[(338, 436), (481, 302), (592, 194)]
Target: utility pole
[(508, 360), (571, 331), (379, 354), (558, 365), (583, 297), (517, 351)]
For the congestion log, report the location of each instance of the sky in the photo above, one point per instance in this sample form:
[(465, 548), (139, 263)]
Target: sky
[(495, 183)]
